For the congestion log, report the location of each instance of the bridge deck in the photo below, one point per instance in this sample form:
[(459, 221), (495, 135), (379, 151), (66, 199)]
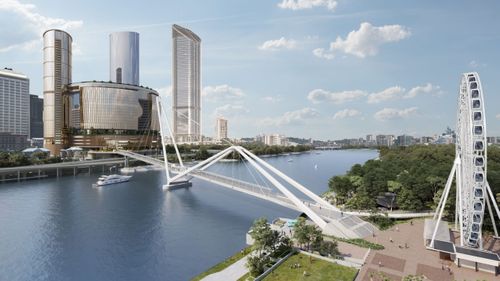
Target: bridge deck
[(349, 226)]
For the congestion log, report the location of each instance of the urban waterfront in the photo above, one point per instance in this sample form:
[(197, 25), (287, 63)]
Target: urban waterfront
[(63, 229)]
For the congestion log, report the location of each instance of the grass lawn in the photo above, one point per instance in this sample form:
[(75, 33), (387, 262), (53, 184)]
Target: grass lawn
[(316, 270), (222, 265)]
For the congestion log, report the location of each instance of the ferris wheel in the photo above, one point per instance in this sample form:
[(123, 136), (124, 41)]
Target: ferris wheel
[(473, 193)]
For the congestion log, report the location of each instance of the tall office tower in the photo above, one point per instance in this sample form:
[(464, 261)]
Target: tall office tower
[(14, 110), (124, 57), (186, 86), (221, 129), (56, 74), (36, 117)]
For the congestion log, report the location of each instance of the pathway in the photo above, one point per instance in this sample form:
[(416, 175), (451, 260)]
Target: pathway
[(231, 273)]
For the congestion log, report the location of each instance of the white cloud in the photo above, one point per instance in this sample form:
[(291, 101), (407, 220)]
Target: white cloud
[(307, 4), (271, 99), (22, 27), (394, 113), (275, 45), (425, 89), (476, 64), (346, 113), (292, 117), (498, 116), (222, 93), (230, 110), (320, 95), (365, 41), (385, 95), (165, 91)]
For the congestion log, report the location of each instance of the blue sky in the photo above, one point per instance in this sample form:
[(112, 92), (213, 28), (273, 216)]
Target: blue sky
[(324, 69)]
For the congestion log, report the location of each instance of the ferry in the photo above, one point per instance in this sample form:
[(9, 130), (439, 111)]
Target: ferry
[(112, 179)]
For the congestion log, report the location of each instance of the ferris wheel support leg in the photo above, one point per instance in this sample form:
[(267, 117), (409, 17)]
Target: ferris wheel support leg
[(450, 179), (491, 215), (492, 198), (459, 207), (443, 203)]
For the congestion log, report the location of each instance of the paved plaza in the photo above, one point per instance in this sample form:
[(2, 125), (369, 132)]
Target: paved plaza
[(406, 255)]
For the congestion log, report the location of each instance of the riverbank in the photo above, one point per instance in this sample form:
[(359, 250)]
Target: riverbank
[(224, 264)]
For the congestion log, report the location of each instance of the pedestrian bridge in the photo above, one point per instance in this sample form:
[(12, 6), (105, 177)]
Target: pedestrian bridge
[(329, 218)]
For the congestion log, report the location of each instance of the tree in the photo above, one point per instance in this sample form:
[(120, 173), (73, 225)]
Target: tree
[(256, 264), (328, 248), (262, 234)]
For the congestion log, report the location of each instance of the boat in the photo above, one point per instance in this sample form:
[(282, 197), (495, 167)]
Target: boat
[(290, 160), (112, 179), (315, 166)]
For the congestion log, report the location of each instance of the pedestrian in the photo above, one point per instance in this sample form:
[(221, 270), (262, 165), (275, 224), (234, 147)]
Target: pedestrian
[(406, 245), (390, 239), (397, 228), (379, 264), (341, 213), (411, 222), (442, 267)]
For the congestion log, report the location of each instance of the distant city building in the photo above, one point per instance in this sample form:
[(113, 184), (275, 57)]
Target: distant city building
[(221, 129), (57, 61), (405, 140), (186, 84), (36, 117), (272, 139), (385, 140), (124, 57), (445, 139), (14, 110), (493, 140)]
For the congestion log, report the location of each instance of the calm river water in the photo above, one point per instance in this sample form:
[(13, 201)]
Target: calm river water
[(63, 229)]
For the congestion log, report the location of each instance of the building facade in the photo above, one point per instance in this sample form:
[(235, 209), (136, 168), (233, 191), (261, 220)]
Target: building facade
[(57, 62), (36, 117), (186, 85), (124, 57), (14, 110), (221, 129), (103, 114)]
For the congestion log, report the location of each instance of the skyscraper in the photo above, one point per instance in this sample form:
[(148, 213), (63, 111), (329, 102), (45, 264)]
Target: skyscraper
[(36, 117), (14, 110), (221, 129), (56, 74), (124, 57), (186, 88)]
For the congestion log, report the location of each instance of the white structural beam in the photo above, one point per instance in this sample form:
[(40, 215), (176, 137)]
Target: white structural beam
[(310, 213), (291, 181), (159, 109), (214, 158), (443, 203)]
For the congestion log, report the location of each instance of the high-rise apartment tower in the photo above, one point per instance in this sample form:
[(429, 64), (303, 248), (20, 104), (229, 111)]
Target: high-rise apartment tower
[(56, 74), (186, 88), (124, 57)]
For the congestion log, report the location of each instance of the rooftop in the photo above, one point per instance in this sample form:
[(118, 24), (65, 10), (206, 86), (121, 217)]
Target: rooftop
[(11, 73)]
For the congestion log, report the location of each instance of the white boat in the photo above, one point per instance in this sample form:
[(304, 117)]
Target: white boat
[(290, 160), (112, 179)]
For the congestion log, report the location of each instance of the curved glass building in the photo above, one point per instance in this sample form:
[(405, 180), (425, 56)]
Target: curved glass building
[(103, 114), (124, 57), (56, 73), (186, 88)]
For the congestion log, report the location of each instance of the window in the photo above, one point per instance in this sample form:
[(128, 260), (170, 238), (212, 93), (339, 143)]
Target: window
[(119, 75)]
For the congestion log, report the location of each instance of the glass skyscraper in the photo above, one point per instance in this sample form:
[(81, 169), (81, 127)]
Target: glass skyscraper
[(124, 57), (56, 74), (186, 88)]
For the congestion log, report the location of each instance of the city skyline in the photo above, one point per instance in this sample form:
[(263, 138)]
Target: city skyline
[(354, 68)]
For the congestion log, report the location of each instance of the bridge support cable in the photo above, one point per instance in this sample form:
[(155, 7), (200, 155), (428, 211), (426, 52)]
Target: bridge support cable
[(295, 184), (159, 110), (299, 203), (213, 158)]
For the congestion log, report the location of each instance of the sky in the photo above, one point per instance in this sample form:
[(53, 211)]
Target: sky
[(322, 69)]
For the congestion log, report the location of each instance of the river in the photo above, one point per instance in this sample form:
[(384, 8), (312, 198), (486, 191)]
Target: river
[(63, 229)]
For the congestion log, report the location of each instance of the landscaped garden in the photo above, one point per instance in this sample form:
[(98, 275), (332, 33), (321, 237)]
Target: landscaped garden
[(303, 267)]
